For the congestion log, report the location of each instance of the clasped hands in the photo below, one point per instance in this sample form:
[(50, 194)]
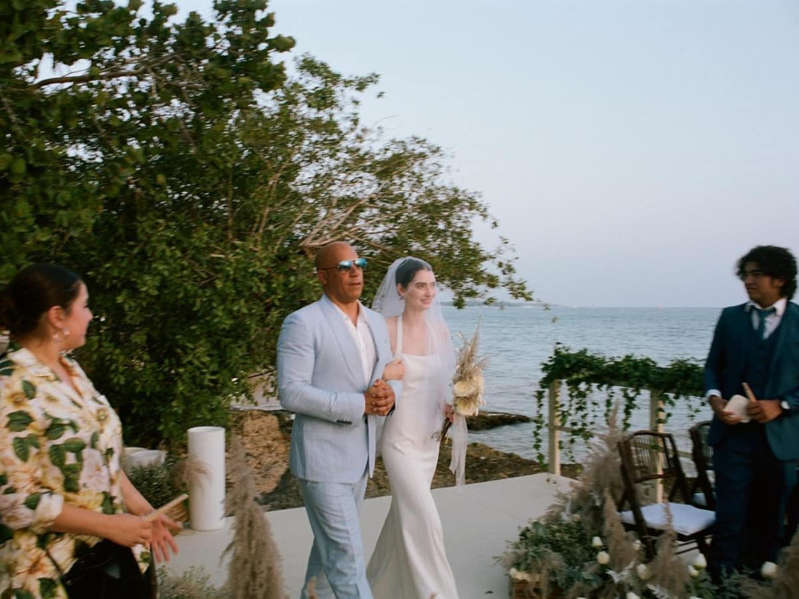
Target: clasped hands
[(129, 530), (378, 399), (762, 411)]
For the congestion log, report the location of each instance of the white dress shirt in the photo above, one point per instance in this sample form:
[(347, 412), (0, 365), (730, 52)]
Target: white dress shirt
[(772, 320), (362, 337)]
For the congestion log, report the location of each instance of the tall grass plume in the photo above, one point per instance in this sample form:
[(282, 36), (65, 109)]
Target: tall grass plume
[(255, 569)]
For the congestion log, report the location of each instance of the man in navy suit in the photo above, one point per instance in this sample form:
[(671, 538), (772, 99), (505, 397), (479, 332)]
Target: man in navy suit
[(755, 462)]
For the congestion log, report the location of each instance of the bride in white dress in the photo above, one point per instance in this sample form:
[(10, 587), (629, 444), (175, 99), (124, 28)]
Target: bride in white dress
[(409, 561)]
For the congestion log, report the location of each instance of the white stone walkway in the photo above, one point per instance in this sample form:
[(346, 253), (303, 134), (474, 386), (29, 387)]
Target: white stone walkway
[(478, 519)]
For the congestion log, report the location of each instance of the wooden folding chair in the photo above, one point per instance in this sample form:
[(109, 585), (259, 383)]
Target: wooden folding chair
[(702, 492), (649, 460)]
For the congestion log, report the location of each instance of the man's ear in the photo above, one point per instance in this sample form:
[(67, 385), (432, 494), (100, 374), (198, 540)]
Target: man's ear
[(322, 276)]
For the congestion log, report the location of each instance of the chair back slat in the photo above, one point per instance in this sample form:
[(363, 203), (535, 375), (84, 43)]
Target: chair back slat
[(652, 456)]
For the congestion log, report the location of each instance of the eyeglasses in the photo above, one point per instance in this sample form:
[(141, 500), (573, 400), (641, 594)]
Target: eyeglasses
[(348, 265), (754, 273)]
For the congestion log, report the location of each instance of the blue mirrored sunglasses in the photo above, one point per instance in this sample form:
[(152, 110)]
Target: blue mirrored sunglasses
[(348, 265)]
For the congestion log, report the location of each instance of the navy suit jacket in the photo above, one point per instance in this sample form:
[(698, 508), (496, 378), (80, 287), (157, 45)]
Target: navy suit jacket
[(726, 363)]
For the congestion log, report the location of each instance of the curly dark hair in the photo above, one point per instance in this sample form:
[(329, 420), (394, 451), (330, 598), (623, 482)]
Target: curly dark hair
[(774, 262)]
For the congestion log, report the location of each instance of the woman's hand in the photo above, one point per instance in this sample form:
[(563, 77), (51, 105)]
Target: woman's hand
[(129, 530), (449, 412), (395, 370), (162, 539)]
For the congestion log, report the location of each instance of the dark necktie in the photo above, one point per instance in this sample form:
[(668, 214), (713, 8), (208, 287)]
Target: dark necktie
[(762, 314)]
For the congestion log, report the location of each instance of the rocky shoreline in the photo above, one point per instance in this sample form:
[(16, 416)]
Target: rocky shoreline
[(266, 434)]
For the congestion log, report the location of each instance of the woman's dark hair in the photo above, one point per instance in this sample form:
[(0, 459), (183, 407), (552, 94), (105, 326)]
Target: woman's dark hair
[(32, 292), (774, 262), (408, 269)]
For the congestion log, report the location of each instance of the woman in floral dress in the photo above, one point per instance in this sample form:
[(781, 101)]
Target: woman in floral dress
[(62, 489)]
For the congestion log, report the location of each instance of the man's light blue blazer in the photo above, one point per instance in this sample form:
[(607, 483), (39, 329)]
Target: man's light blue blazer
[(320, 378)]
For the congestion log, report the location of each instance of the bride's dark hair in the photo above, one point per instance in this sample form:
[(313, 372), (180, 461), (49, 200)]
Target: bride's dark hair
[(408, 269)]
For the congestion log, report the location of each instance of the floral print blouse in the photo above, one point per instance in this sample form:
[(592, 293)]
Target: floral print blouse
[(56, 445)]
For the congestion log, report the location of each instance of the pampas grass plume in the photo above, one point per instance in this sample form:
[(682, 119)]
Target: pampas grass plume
[(620, 546), (669, 572), (255, 571)]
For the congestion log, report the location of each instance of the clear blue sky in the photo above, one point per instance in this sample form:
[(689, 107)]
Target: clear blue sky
[(631, 149)]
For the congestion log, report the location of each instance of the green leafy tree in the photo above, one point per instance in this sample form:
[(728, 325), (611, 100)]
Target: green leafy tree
[(176, 168)]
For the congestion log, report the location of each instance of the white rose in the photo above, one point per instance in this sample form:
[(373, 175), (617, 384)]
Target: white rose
[(643, 571), (637, 545), (631, 595), (700, 562), (769, 570), (693, 571), (596, 542), (603, 557), (519, 575)]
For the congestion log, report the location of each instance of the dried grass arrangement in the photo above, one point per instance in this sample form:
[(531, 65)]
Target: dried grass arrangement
[(192, 584), (581, 549), (255, 569), (781, 580), (468, 384)]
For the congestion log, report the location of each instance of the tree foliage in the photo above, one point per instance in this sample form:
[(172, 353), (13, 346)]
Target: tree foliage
[(177, 168)]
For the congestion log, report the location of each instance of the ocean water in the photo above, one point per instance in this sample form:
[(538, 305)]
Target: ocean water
[(518, 339)]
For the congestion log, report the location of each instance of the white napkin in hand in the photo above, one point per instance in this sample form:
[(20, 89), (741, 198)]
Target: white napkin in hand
[(737, 405)]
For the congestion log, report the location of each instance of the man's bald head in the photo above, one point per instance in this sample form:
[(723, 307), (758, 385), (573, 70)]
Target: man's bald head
[(328, 255), (342, 285)]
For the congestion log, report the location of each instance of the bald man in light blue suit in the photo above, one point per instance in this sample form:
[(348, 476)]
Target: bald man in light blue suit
[(331, 357)]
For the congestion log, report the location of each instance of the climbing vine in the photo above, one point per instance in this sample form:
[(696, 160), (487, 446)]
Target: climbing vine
[(627, 380)]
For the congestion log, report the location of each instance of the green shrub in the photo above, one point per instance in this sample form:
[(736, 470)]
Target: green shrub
[(158, 483)]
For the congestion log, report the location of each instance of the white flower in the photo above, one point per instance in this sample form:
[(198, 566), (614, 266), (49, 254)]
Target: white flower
[(637, 545), (643, 571), (769, 570), (596, 542), (693, 571), (631, 595), (603, 557), (700, 562), (575, 517), (518, 575)]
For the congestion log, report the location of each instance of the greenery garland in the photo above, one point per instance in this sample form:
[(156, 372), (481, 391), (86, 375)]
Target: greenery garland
[(585, 373)]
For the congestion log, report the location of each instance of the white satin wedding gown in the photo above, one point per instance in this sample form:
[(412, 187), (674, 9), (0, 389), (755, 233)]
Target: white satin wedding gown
[(409, 561)]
